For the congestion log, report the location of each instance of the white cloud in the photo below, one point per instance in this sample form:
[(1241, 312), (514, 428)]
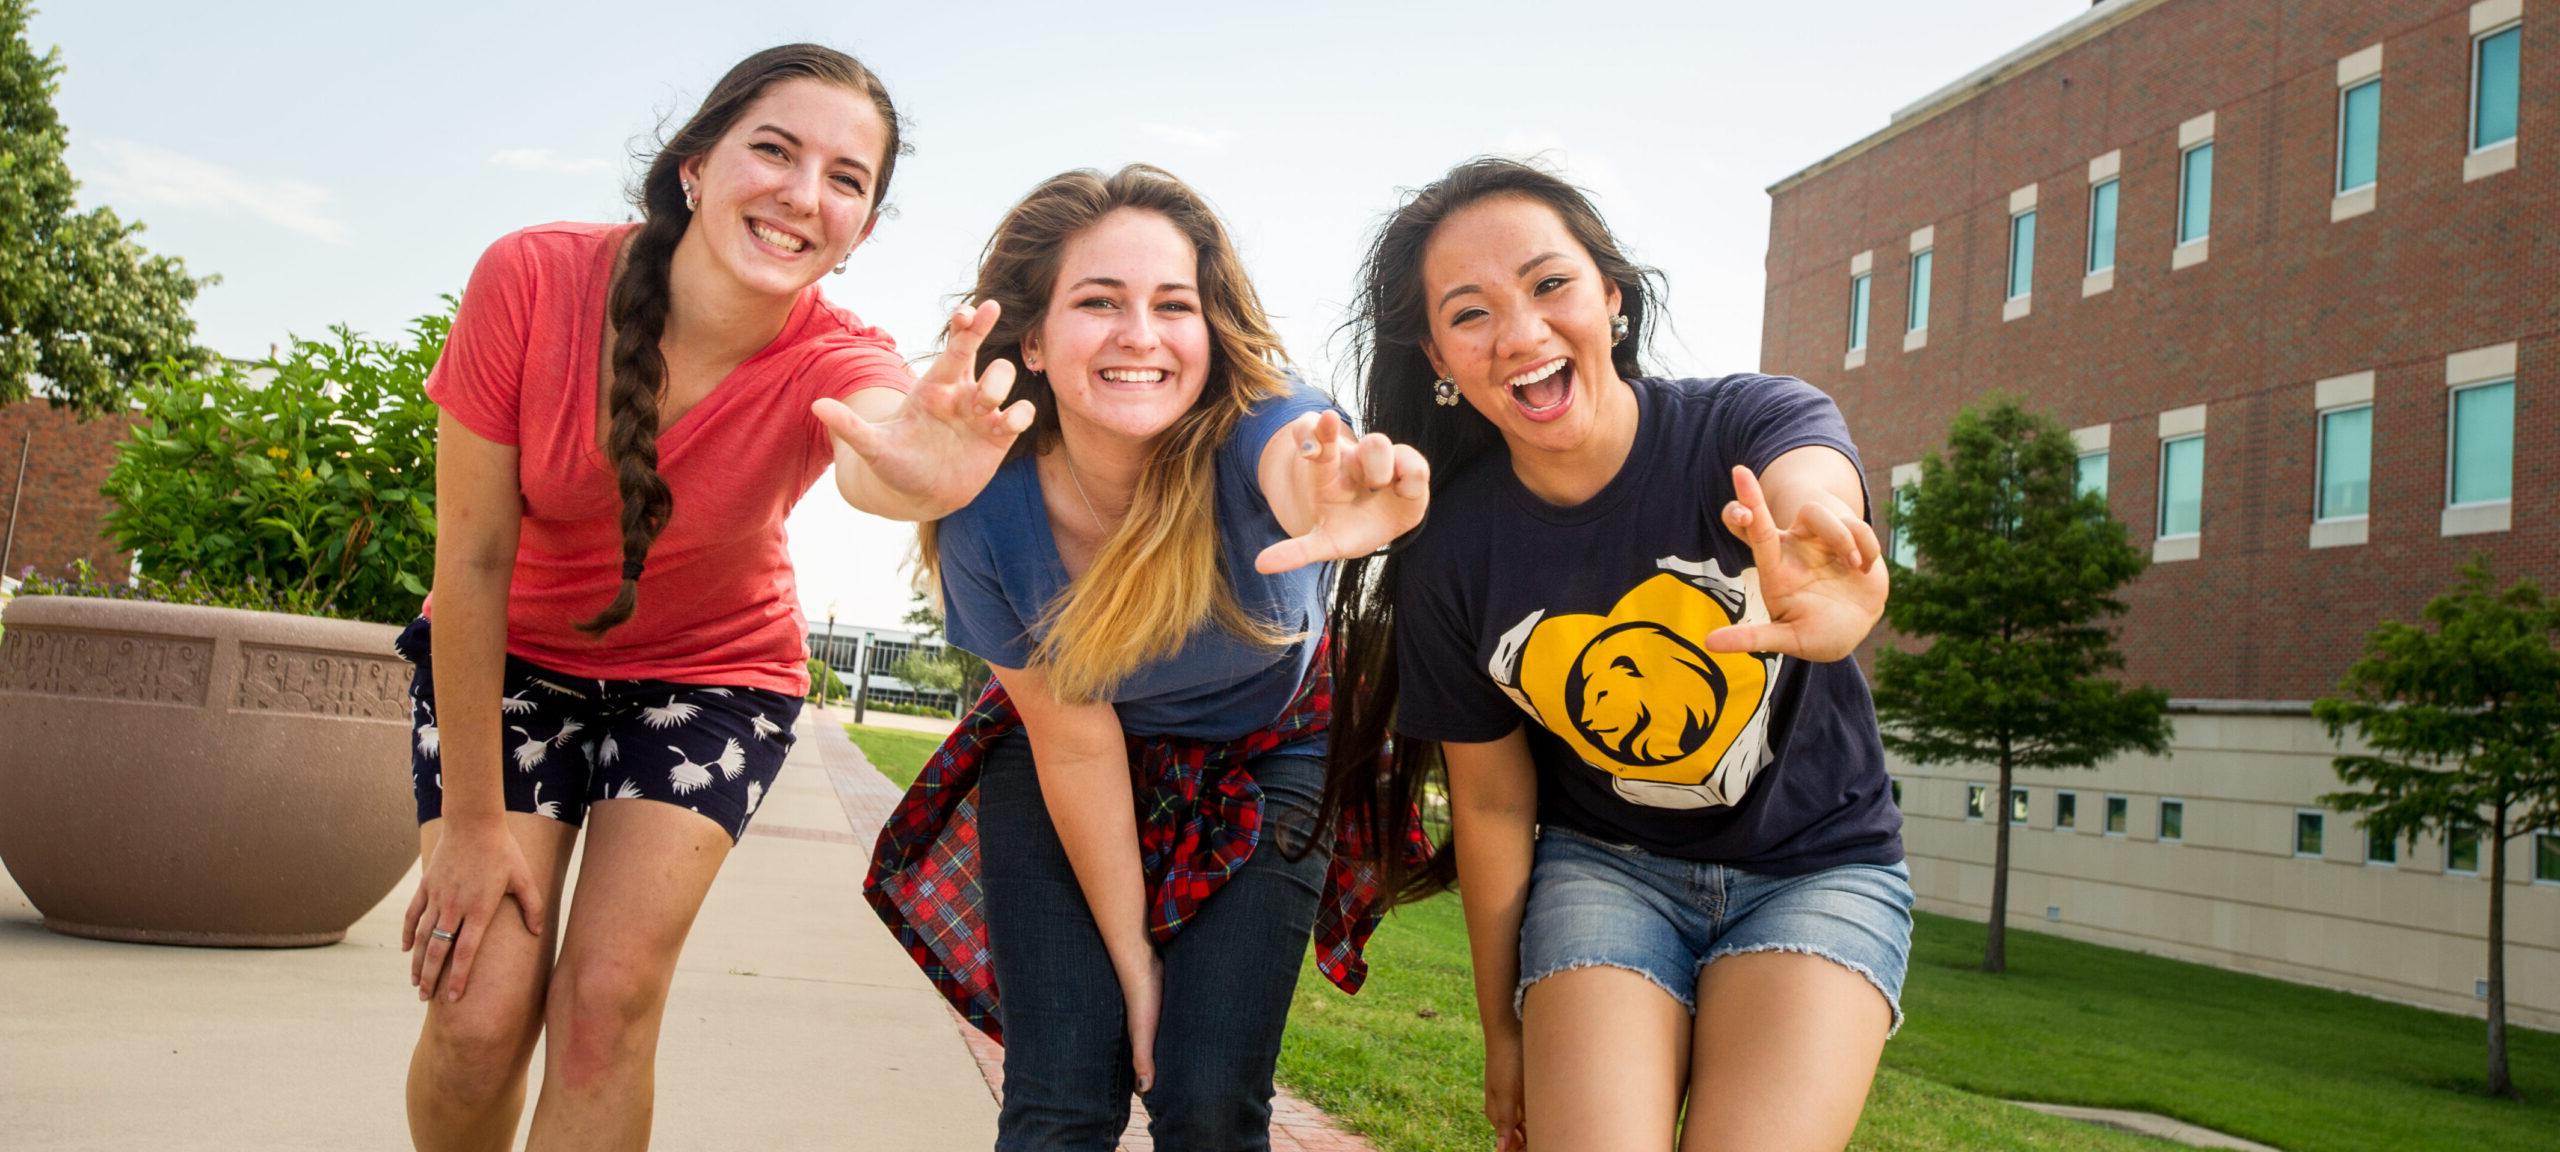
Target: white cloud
[(545, 160), (138, 175), (1209, 140)]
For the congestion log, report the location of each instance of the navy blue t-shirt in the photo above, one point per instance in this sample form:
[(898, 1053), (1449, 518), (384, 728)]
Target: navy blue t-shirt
[(1001, 571), (1590, 622)]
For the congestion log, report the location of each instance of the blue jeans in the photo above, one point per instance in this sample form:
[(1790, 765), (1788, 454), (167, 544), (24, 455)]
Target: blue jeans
[(1228, 976)]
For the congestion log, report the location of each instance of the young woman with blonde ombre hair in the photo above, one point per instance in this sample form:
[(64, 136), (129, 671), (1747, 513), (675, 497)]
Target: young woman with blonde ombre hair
[(1147, 576)]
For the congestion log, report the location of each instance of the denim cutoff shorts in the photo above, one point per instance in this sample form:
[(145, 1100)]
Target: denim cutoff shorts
[(1597, 904)]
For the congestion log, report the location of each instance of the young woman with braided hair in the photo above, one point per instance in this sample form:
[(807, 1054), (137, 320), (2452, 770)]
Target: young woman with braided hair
[(629, 414)]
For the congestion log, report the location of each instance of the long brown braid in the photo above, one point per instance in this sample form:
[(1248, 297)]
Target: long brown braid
[(639, 302)]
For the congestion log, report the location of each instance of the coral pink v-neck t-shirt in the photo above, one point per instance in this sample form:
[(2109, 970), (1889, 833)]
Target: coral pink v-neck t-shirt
[(718, 604)]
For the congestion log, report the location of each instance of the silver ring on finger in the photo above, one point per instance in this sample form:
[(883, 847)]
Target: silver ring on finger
[(441, 934)]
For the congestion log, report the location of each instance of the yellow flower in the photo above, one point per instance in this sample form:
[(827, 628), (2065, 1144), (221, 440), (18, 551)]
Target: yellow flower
[(278, 453), (306, 473)]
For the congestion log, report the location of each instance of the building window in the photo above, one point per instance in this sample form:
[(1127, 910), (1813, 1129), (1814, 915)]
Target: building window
[(2022, 254), (2102, 226), (2173, 820), (2380, 849), (2546, 857), (2017, 805), (2495, 67), (2307, 827), (1906, 552), (1858, 289), (2117, 808), (1916, 307), (2359, 135), (2480, 460), (2066, 811), (1976, 801), (2346, 462), (2093, 475), (2182, 486), (2195, 193), (2462, 850)]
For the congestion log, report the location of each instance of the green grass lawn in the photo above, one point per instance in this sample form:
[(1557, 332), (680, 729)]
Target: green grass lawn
[(898, 753), (2070, 1023), (1400, 1062), (2284, 1064)]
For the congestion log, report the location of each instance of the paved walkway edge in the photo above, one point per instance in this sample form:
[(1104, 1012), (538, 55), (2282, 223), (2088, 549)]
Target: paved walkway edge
[(2149, 1124)]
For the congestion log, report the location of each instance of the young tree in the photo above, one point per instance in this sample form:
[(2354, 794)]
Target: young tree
[(2463, 720), (955, 670), (82, 306), (2015, 583)]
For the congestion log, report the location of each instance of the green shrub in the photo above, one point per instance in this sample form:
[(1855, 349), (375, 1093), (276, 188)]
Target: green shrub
[(310, 473), (254, 595)]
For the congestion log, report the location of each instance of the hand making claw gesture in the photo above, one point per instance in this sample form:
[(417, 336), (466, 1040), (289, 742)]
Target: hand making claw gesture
[(1337, 496), (1821, 579), (924, 455)]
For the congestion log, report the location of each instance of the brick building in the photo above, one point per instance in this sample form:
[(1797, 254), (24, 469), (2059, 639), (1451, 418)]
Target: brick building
[(2291, 269), (58, 515)]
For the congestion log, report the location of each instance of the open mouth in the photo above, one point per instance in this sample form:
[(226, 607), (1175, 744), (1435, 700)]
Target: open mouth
[(1132, 376), (777, 239), (1544, 392)]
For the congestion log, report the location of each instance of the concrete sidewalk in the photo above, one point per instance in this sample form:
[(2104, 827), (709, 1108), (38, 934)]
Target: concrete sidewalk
[(794, 1022)]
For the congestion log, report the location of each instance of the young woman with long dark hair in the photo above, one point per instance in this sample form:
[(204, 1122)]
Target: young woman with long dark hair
[(1122, 835), (614, 639), (1625, 633)]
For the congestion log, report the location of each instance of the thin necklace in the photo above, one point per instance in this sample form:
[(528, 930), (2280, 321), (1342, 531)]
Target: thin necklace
[(1078, 478)]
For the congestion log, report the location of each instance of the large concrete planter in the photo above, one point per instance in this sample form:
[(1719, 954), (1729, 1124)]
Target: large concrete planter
[(180, 775)]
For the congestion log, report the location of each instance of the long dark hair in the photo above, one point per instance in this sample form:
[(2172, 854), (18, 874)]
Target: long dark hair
[(1160, 573), (1388, 325), (639, 302)]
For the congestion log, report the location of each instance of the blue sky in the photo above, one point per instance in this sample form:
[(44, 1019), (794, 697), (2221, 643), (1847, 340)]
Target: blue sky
[(346, 163)]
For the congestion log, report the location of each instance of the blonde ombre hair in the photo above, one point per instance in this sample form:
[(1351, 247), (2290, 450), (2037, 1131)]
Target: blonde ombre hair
[(1162, 572)]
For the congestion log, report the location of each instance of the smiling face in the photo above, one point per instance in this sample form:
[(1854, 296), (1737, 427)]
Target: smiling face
[(1123, 341), (790, 189), (1519, 318)]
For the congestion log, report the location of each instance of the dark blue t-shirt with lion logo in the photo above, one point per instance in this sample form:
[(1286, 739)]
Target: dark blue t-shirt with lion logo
[(1588, 625)]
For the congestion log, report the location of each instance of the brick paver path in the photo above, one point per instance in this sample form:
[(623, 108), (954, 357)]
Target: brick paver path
[(867, 796)]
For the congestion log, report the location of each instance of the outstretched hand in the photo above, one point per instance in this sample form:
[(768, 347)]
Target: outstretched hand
[(946, 439), (1821, 579), (1342, 497)]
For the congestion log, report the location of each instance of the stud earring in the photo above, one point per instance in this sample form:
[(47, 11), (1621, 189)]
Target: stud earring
[(1444, 392), (691, 201), (1617, 329)]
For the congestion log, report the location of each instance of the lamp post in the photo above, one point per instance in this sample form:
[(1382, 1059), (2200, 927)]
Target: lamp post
[(829, 663), (862, 676)]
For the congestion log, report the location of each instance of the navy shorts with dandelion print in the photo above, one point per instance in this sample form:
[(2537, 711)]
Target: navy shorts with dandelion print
[(571, 741)]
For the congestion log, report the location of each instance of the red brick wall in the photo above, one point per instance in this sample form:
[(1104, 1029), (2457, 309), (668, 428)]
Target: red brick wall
[(61, 516), (2286, 298)]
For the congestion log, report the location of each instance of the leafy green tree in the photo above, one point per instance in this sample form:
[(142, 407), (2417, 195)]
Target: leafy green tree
[(2016, 582), (966, 675), (311, 472), (2463, 723), (824, 684), (83, 307)]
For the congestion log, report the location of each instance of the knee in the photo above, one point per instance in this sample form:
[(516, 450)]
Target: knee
[(601, 1015), (475, 1050), (1202, 1106)]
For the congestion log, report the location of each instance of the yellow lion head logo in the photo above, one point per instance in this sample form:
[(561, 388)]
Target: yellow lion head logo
[(1643, 695)]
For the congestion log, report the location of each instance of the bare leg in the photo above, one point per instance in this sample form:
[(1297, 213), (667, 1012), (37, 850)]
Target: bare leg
[(1604, 1053), (466, 1076), (1786, 1048), (647, 867)]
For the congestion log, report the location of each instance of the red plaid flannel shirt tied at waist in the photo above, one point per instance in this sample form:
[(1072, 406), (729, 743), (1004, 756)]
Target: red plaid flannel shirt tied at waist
[(1199, 820)]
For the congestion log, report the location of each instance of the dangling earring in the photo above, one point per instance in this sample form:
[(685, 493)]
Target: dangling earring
[(1444, 392), (840, 264), (1617, 329), (691, 201)]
